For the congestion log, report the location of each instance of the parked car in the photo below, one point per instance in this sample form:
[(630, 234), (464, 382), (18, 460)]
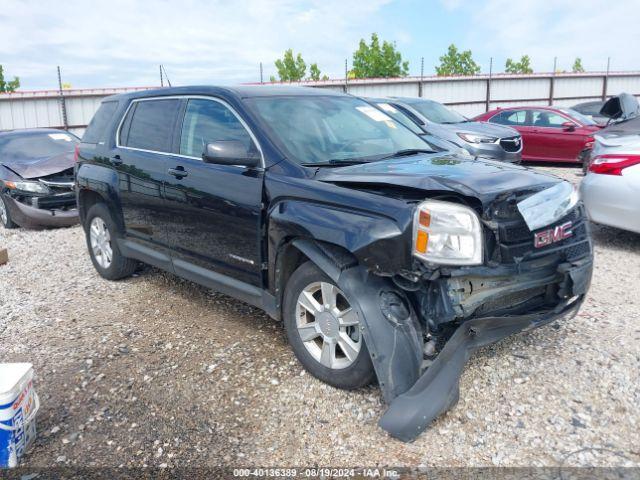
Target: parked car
[(433, 118), (331, 216), (549, 134), (36, 178), (438, 144), (592, 111), (611, 188)]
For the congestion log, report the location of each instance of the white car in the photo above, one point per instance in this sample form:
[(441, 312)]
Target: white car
[(611, 188)]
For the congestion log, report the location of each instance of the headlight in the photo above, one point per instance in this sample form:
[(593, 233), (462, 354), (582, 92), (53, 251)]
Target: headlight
[(447, 233), (471, 138), (29, 187)]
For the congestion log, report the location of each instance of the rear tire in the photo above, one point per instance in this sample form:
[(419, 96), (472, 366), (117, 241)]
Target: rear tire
[(102, 234), (333, 348), (5, 216)]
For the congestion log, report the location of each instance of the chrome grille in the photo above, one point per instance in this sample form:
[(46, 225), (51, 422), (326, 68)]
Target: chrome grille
[(511, 144)]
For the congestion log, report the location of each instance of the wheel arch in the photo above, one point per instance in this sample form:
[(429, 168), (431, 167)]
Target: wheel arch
[(295, 251)]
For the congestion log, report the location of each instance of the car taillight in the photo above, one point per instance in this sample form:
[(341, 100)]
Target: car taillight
[(76, 153), (613, 164)]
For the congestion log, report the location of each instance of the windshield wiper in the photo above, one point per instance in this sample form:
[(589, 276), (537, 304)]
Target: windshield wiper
[(408, 152), (336, 161)]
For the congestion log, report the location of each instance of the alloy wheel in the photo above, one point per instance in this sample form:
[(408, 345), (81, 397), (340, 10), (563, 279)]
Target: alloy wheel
[(328, 326), (100, 239)]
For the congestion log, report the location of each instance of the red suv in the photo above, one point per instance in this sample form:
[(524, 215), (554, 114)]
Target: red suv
[(548, 133)]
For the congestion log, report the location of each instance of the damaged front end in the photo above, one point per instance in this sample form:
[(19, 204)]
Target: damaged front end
[(422, 324), (47, 201)]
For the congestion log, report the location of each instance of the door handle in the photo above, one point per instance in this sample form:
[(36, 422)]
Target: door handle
[(116, 160), (178, 172)]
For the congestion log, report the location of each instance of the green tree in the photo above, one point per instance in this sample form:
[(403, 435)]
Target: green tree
[(457, 63), (577, 66), (9, 86), (291, 69), (523, 66), (375, 61), (314, 72)]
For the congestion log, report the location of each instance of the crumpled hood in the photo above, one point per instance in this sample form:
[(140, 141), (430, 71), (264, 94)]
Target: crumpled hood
[(484, 128), (479, 178), (39, 167), (621, 107)]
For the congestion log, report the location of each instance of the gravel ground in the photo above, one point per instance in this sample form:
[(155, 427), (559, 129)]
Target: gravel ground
[(158, 371)]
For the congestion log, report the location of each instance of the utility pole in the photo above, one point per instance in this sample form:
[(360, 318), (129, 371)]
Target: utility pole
[(552, 80), (63, 105), (346, 75), (605, 80), (488, 99), (261, 79), (161, 79), (421, 76)]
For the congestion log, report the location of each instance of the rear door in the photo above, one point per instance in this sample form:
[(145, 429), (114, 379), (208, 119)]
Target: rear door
[(213, 211), (143, 143)]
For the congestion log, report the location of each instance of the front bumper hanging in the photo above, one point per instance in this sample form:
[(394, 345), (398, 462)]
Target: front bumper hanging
[(394, 337), (437, 389)]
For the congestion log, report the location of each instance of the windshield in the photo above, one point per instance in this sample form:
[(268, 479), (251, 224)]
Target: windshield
[(436, 112), (576, 115), (401, 117), (321, 129), (37, 145)]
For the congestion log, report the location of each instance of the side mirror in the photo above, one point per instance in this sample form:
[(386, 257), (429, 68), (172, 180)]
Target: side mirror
[(230, 152), (568, 126)]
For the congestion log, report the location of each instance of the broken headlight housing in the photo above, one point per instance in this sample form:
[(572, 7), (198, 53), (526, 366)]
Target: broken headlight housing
[(447, 233), (28, 187), (549, 205)]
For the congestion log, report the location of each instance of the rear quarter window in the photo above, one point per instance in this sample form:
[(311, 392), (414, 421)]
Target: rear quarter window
[(96, 130)]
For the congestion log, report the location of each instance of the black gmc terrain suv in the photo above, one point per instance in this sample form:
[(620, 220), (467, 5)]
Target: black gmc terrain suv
[(385, 260)]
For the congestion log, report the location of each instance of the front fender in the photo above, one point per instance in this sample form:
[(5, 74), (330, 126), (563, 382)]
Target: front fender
[(388, 322), (378, 242)]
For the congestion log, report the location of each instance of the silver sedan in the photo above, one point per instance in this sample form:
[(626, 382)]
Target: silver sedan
[(611, 188)]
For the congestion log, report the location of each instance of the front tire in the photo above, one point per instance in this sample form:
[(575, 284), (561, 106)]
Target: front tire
[(324, 331), (5, 216), (101, 234)]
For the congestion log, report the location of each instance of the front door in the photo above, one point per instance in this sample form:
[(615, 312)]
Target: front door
[(213, 211), (554, 143)]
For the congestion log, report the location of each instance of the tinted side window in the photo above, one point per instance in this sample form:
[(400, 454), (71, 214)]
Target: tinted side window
[(542, 118), (510, 117), (208, 121), (150, 126), (95, 132)]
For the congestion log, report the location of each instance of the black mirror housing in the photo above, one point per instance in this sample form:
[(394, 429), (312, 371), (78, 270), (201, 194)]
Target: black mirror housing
[(230, 152)]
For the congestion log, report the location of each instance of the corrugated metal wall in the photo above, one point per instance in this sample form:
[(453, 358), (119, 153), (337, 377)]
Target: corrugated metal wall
[(43, 108), (468, 95)]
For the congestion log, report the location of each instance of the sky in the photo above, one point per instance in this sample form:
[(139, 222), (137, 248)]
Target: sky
[(121, 43)]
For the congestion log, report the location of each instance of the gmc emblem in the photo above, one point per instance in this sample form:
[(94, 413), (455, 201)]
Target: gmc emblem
[(552, 235)]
